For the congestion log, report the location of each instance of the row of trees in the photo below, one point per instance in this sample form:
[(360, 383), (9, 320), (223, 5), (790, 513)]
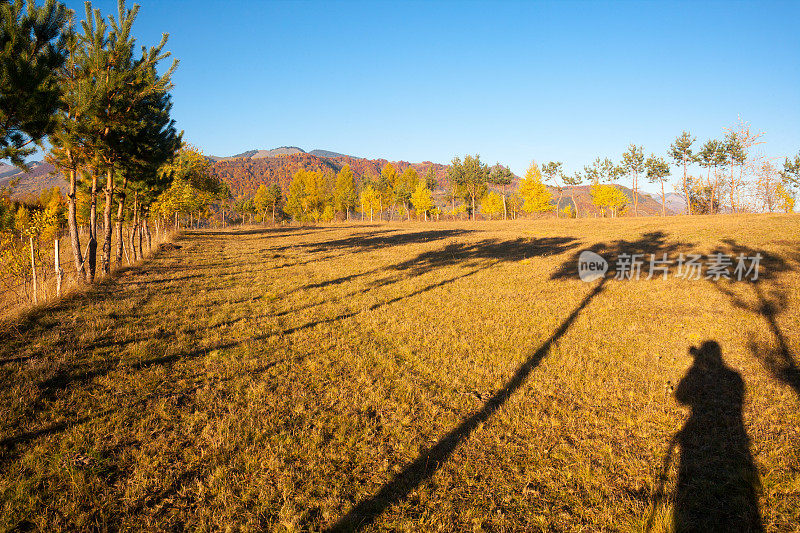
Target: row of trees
[(315, 196), (101, 110), (473, 186)]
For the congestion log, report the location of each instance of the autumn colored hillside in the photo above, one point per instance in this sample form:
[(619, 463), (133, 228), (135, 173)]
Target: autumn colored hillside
[(244, 175)]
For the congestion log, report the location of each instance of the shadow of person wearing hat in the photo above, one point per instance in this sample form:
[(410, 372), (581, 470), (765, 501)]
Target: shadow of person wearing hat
[(718, 483)]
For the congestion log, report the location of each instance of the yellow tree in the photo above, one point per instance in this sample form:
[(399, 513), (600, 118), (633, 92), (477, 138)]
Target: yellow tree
[(785, 198), (493, 204), (385, 186), (608, 197), (370, 200), (345, 191), (422, 199), (261, 201), (536, 198)]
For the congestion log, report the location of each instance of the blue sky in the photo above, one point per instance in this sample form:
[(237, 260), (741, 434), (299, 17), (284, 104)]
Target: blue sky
[(511, 81)]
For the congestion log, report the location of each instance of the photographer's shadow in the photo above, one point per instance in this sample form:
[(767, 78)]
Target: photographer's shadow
[(718, 483)]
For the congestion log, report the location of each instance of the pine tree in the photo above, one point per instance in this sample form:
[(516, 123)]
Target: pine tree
[(121, 82), (633, 165), (680, 152), (470, 176), (69, 150), (736, 156), (33, 48), (711, 157), (602, 171), (152, 141), (430, 179), (552, 173), (573, 180), (657, 172), (791, 172), (502, 176)]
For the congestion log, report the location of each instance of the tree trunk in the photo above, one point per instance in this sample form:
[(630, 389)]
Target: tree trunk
[(139, 233), (149, 238), (72, 223), (33, 273), (574, 203), (108, 229), (92, 250), (132, 238), (473, 206), (686, 188), (663, 201), (120, 218), (635, 195), (505, 209), (137, 229)]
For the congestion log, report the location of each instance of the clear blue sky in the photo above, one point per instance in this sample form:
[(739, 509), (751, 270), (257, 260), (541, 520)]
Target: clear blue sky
[(511, 81)]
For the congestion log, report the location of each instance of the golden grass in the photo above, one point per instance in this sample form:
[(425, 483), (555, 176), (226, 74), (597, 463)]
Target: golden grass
[(449, 376)]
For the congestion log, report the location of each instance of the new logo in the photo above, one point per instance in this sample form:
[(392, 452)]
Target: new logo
[(591, 266)]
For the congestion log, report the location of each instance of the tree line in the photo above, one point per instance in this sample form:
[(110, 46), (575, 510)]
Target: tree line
[(721, 175), (94, 100)]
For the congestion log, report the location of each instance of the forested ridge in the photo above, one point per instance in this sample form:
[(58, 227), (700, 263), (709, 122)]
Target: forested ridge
[(244, 175)]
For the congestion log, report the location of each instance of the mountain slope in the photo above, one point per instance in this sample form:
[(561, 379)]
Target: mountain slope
[(24, 185)]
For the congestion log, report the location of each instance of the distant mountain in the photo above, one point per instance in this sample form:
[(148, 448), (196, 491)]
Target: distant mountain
[(23, 184), (8, 170), (648, 206), (676, 202), (244, 175), (283, 150), (259, 154), (326, 153)]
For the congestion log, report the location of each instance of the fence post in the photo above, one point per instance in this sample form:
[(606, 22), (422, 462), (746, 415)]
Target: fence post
[(59, 270), (33, 272)]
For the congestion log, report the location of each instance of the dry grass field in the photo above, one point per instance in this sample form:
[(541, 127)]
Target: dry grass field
[(413, 377)]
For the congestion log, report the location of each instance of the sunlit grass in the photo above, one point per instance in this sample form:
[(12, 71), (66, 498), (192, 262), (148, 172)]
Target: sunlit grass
[(275, 378)]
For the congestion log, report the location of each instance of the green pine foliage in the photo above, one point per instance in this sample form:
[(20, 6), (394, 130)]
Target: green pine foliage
[(32, 51)]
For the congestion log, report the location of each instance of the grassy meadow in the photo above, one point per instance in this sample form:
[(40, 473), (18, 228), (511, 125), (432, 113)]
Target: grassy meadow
[(451, 376)]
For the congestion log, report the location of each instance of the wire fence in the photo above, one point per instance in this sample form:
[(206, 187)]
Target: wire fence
[(16, 290)]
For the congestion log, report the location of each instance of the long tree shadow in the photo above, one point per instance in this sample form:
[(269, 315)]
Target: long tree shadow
[(377, 239), (718, 483), (417, 472), (768, 300), (476, 256)]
